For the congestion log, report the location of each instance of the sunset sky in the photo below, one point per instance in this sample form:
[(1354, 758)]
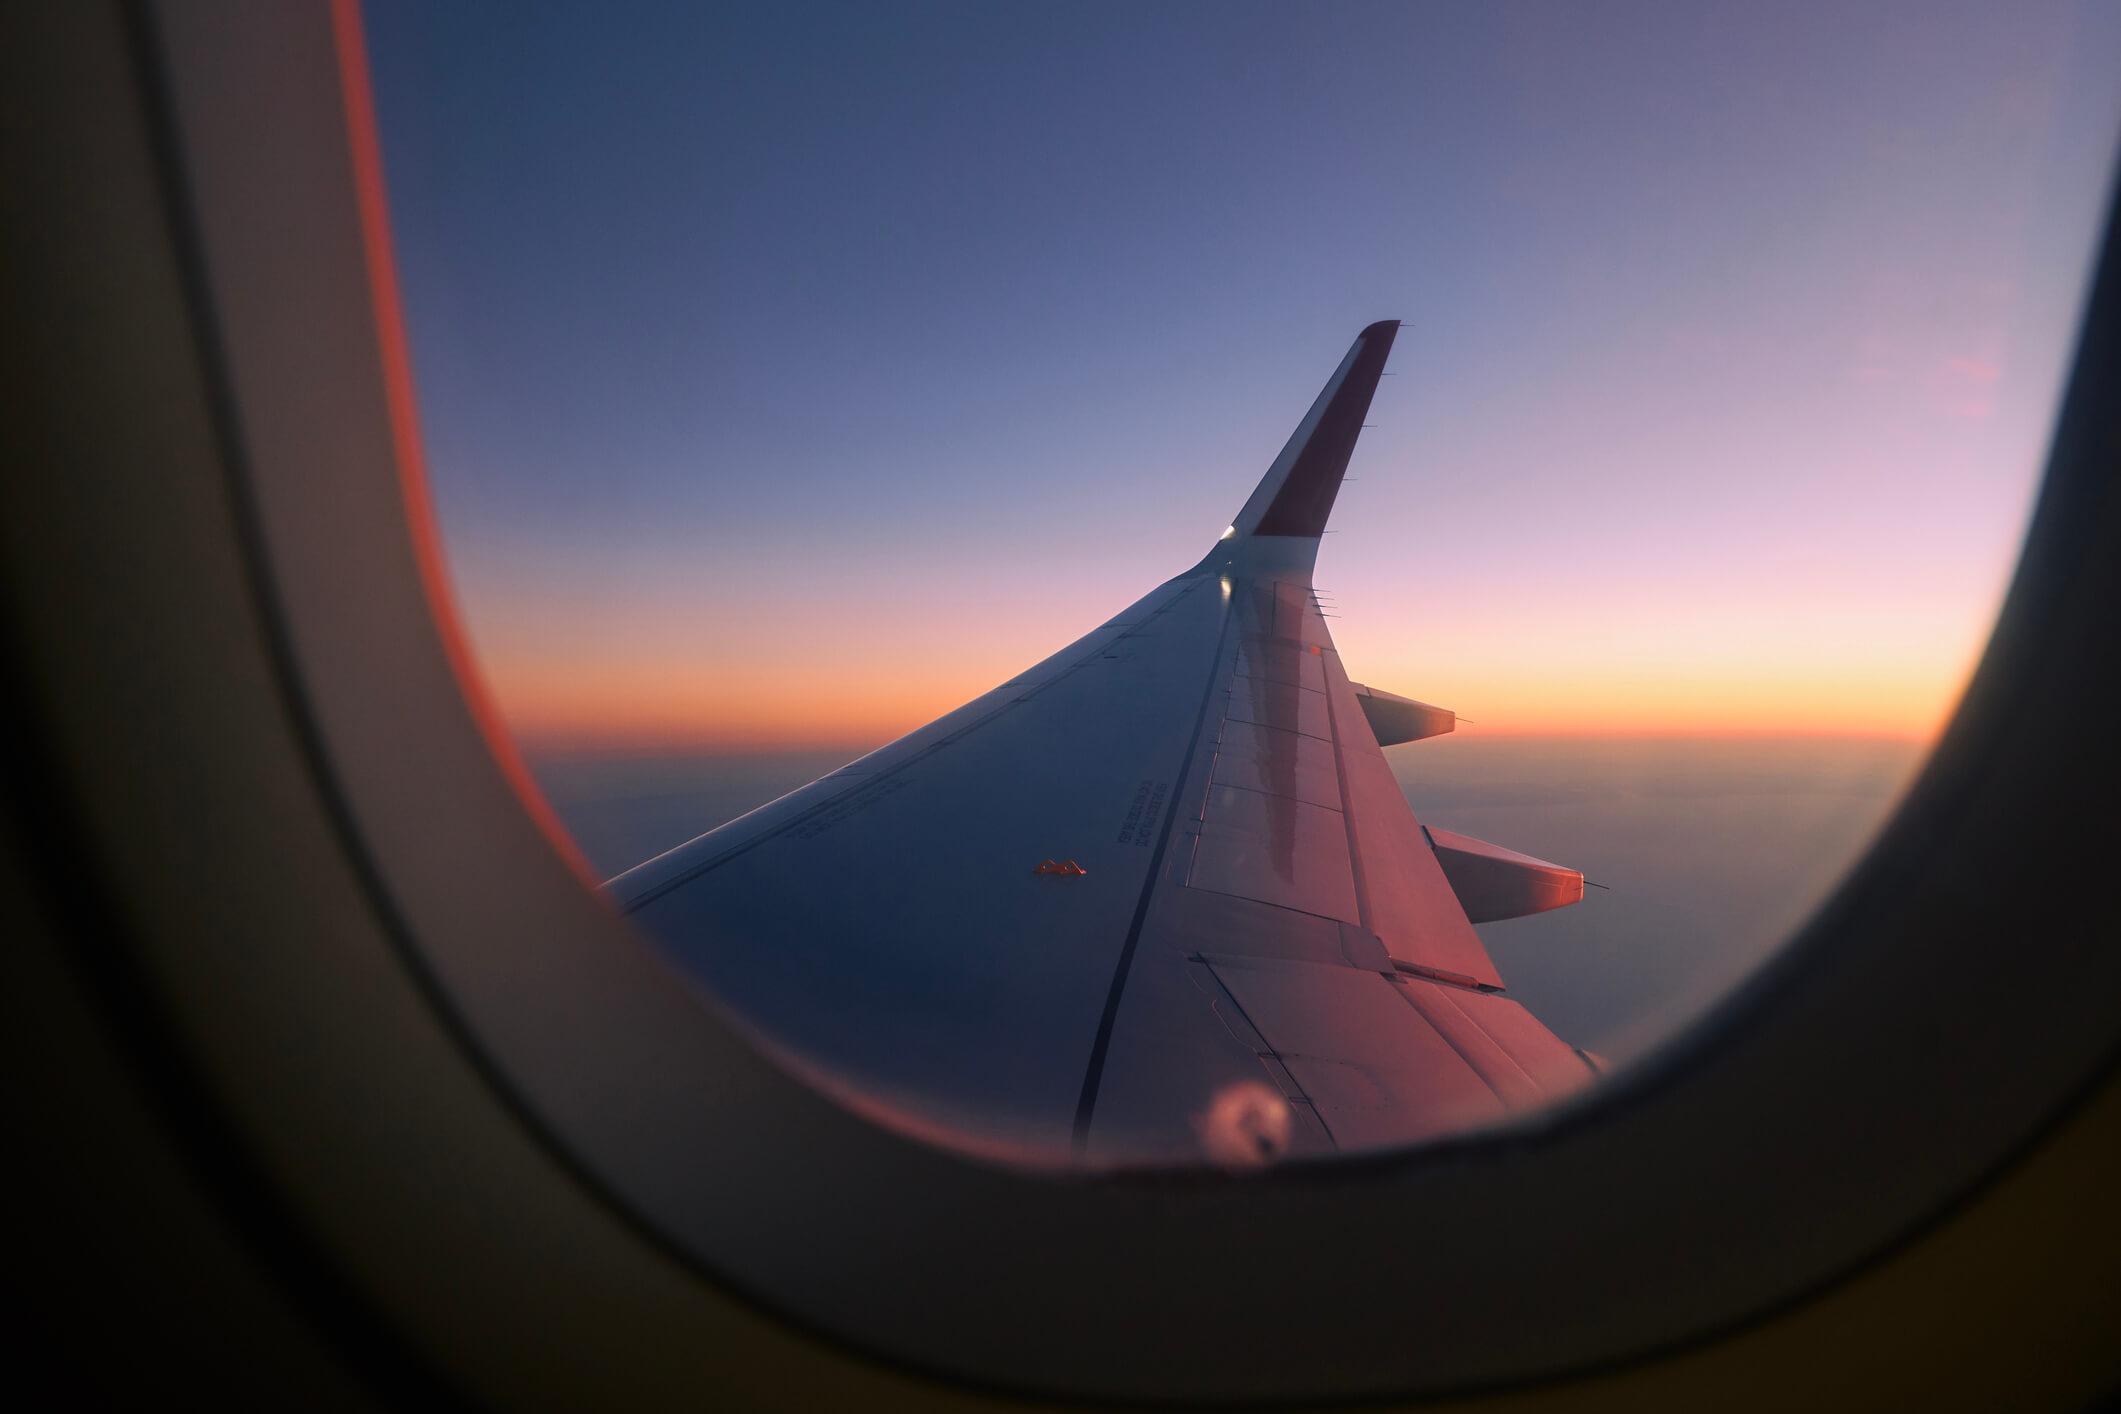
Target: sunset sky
[(792, 375)]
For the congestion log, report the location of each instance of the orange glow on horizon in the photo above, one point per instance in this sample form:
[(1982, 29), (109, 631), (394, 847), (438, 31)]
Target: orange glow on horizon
[(674, 707), (792, 662)]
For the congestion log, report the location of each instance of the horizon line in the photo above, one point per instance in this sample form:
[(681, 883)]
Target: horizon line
[(558, 745)]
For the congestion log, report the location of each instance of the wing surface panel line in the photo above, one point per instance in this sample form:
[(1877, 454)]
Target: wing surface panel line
[(1449, 1040), (1100, 1046), (1347, 816), (1300, 1096)]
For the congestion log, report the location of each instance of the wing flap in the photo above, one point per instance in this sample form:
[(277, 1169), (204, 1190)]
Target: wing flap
[(1558, 1068), (1373, 1069)]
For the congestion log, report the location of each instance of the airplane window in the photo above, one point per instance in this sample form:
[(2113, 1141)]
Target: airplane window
[(828, 412)]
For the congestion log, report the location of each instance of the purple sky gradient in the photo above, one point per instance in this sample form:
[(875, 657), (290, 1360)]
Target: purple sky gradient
[(791, 374)]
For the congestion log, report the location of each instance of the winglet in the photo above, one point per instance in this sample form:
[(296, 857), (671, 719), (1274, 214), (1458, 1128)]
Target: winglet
[(1296, 495)]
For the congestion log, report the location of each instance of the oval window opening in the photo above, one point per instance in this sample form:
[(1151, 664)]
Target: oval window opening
[(863, 447)]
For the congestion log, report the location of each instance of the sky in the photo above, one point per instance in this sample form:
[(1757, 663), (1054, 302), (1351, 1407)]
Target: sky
[(791, 374)]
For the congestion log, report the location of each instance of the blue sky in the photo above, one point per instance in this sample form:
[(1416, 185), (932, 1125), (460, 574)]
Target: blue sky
[(781, 358)]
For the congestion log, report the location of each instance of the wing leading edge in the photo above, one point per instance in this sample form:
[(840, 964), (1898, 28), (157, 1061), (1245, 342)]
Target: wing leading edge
[(1257, 951)]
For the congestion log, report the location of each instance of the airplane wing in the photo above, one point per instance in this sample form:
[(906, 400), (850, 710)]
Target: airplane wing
[(1157, 899)]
